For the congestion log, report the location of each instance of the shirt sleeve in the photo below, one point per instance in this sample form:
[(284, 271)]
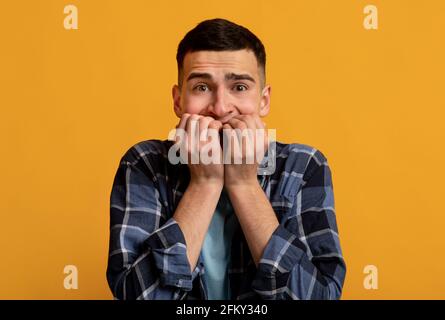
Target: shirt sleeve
[(147, 252), (303, 258)]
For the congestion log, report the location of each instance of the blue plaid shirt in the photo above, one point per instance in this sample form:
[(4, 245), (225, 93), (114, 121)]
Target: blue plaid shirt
[(147, 250)]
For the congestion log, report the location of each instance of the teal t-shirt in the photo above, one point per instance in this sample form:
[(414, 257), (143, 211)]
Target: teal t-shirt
[(216, 249)]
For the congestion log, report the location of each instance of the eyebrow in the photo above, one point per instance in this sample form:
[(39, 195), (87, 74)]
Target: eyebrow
[(228, 76)]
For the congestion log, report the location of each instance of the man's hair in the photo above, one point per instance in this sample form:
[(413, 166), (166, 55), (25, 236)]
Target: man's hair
[(220, 35)]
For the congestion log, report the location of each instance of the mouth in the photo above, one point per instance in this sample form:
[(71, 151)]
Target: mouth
[(222, 120), (226, 119)]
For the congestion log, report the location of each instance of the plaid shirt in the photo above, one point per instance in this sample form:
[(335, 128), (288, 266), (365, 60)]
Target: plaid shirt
[(147, 250)]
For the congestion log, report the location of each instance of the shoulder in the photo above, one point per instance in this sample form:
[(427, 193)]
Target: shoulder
[(299, 159), (147, 154)]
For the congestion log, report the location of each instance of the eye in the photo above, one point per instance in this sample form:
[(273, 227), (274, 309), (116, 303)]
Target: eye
[(240, 87), (201, 87)]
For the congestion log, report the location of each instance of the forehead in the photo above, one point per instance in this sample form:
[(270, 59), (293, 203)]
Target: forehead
[(239, 60)]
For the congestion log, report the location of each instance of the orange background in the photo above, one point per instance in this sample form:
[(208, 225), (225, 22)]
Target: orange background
[(73, 101)]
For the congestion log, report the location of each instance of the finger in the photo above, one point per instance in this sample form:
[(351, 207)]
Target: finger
[(192, 123), (192, 129), (215, 124), (203, 128), (237, 124), (265, 133), (228, 143), (246, 135), (259, 123), (183, 121), (249, 120), (179, 131), (226, 131), (241, 139)]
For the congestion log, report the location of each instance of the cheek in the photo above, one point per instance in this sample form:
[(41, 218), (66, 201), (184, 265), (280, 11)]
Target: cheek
[(194, 104), (248, 104)]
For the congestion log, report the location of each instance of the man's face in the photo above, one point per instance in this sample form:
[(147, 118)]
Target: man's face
[(221, 84)]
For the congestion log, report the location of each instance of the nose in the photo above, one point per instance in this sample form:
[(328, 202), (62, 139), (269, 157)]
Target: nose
[(221, 107)]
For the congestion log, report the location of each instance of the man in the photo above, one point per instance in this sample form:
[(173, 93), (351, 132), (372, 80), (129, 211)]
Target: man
[(223, 230)]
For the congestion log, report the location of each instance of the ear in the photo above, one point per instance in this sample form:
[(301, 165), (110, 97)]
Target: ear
[(176, 94), (265, 101)]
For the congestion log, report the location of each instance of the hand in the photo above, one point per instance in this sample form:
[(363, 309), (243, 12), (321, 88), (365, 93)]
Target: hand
[(239, 172), (197, 140)]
